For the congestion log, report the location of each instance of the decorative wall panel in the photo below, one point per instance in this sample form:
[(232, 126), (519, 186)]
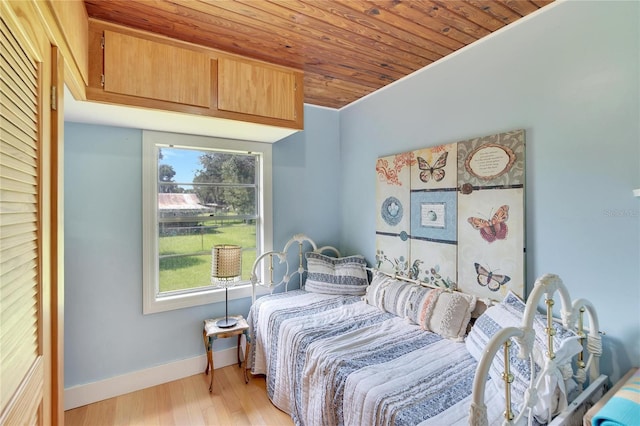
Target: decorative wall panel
[(394, 210), (453, 214)]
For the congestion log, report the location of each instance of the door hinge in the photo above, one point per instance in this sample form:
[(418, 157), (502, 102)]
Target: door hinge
[(102, 80), (102, 42), (54, 98)]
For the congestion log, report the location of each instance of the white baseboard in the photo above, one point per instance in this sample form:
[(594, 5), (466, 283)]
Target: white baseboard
[(77, 396)]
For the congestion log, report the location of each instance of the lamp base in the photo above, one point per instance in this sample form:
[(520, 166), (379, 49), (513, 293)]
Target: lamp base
[(227, 323)]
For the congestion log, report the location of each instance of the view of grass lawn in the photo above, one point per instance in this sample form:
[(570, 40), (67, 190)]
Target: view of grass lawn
[(193, 269)]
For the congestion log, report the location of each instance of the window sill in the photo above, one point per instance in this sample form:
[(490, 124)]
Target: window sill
[(153, 304)]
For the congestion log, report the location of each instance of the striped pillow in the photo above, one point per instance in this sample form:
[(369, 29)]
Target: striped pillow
[(420, 301), (344, 275), (375, 291), (396, 295)]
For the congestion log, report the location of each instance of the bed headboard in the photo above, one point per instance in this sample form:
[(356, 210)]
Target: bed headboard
[(278, 268)]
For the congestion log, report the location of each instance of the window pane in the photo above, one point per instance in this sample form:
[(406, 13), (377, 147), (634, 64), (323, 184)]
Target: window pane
[(180, 165), (220, 167), (185, 254), (176, 239), (184, 272), (197, 203), (199, 194)]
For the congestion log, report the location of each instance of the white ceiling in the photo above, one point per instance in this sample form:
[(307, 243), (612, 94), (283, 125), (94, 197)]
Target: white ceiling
[(140, 118)]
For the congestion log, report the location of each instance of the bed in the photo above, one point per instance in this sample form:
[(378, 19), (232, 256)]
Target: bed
[(349, 348)]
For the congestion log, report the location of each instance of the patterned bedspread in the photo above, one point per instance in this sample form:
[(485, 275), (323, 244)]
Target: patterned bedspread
[(335, 360)]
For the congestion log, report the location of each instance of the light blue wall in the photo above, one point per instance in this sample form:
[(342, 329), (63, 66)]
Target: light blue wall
[(105, 332), (306, 180), (568, 76)]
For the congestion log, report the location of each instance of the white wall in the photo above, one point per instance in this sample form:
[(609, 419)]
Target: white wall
[(569, 76)]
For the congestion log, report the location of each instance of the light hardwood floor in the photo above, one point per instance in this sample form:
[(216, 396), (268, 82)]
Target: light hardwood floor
[(187, 402)]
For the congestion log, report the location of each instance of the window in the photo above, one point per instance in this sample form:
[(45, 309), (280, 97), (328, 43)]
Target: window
[(199, 192)]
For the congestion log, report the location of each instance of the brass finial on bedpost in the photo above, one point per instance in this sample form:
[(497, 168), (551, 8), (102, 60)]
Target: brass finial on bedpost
[(270, 269), (300, 263), (508, 379), (581, 364), (550, 330)]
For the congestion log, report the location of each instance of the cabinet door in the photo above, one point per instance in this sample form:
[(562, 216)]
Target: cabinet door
[(257, 89), (148, 69)]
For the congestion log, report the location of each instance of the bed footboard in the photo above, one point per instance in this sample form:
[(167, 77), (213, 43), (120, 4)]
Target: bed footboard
[(586, 370)]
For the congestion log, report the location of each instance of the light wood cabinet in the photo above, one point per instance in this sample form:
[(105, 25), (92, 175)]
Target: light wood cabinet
[(135, 68), (257, 89), (138, 67)]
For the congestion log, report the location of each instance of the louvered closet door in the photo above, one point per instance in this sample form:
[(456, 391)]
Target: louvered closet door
[(22, 368)]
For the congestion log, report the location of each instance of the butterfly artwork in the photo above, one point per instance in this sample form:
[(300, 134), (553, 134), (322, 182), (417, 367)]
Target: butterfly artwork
[(495, 228), (490, 280), (435, 172)]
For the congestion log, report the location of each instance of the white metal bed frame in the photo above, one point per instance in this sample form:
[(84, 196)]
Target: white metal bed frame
[(572, 317)]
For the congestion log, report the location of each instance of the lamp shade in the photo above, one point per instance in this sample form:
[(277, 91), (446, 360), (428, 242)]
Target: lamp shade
[(226, 264)]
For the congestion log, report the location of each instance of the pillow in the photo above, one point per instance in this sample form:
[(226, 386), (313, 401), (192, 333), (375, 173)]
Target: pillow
[(509, 314), (450, 315), (420, 300), (328, 275), (395, 297), (404, 299), (375, 291), (485, 327), (565, 342)]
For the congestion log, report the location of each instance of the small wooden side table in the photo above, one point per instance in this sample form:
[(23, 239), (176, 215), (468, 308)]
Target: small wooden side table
[(211, 332)]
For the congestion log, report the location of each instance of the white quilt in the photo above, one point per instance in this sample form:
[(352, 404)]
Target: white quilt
[(335, 360)]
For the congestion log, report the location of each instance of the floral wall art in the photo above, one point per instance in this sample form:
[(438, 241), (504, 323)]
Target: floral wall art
[(453, 214)]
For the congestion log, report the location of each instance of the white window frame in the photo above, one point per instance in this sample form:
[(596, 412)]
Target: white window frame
[(152, 301)]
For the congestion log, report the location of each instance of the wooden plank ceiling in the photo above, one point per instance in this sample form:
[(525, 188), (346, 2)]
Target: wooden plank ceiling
[(346, 48)]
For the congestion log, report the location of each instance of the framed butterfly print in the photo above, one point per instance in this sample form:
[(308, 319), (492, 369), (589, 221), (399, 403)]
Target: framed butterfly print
[(453, 214), (435, 168), (495, 228), (489, 279), (491, 242)]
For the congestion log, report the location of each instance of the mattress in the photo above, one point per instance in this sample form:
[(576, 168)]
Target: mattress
[(335, 360)]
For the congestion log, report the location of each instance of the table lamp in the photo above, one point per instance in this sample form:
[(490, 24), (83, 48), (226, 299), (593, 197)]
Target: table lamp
[(226, 270)]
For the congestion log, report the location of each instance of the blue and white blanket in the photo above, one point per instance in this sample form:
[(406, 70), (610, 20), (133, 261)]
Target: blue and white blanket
[(623, 409), (335, 360)]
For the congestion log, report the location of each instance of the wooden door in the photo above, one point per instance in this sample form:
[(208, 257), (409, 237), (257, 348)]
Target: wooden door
[(25, 224)]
